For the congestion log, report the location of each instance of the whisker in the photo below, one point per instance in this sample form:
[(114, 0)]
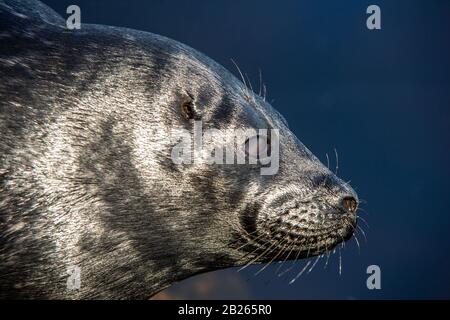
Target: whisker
[(357, 242), (258, 257), (267, 264), (283, 251), (300, 273), (242, 236), (251, 89), (328, 257), (255, 259), (251, 241), (363, 210), (363, 233), (246, 90), (249, 82), (250, 253), (337, 162), (348, 183), (292, 266), (363, 220), (328, 161), (279, 267), (240, 72), (314, 264), (342, 237)]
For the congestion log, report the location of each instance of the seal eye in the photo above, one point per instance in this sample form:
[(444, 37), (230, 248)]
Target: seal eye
[(258, 147), (187, 109)]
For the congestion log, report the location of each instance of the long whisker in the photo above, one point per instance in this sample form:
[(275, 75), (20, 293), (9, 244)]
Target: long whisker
[(337, 162), (300, 273), (246, 89), (281, 264), (251, 88), (243, 235), (258, 257), (357, 242), (328, 257), (328, 161), (363, 220), (315, 262), (363, 233), (240, 72), (363, 210), (292, 266), (250, 243), (274, 257), (249, 82), (260, 82), (253, 253)]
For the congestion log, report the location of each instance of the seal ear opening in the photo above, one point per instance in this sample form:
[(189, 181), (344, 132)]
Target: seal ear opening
[(188, 109)]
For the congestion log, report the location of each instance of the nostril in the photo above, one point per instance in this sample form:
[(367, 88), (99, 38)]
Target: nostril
[(350, 204)]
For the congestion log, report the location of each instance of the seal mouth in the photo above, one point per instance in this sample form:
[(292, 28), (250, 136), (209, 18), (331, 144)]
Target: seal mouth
[(286, 241)]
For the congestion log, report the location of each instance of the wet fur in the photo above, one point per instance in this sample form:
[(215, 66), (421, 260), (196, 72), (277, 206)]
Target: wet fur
[(86, 180)]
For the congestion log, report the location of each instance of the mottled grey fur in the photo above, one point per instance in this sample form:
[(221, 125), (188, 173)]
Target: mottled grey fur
[(85, 180)]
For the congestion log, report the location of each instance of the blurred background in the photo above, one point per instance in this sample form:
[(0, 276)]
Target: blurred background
[(380, 97)]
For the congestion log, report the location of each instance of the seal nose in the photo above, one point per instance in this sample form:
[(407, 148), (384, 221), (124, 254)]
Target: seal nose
[(350, 204)]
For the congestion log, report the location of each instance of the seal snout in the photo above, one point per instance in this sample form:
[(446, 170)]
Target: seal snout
[(309, 221)]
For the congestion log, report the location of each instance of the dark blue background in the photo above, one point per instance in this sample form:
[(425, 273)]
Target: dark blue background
[(381, 98)]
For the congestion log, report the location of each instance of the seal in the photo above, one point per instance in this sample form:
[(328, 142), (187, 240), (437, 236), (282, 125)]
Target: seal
[(92, 204)]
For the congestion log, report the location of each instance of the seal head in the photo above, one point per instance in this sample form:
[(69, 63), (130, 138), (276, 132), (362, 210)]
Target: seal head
[(87, 177)]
